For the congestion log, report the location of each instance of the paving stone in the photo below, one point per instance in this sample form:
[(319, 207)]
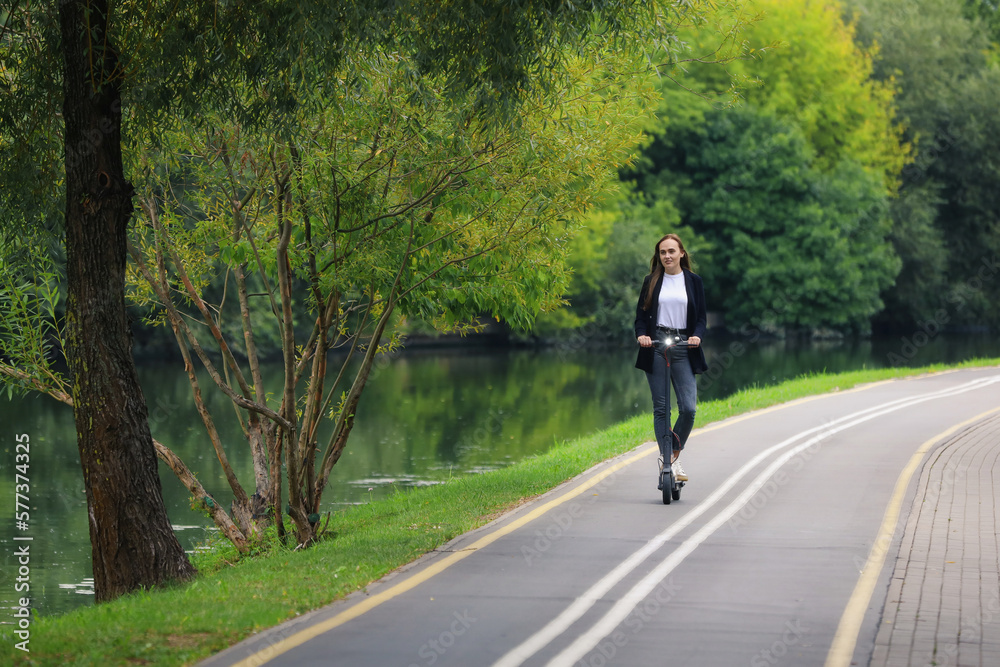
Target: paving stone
[(939, 612)]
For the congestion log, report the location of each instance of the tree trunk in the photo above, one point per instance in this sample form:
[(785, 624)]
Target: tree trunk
[(132, 541)]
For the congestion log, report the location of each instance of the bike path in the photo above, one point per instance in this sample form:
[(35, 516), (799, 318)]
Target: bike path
[(756, 564)]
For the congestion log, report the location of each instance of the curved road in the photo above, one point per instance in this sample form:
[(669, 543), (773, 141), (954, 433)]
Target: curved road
[(784, 549)]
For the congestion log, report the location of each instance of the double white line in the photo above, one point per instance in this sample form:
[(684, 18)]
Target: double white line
[(588, 639)]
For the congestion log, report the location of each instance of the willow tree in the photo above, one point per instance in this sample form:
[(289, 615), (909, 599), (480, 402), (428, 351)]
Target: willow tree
[(62, 109), (382, 205), (81, 81)]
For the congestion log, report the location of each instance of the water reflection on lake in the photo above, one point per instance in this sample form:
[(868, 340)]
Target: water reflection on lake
[(425, 417)]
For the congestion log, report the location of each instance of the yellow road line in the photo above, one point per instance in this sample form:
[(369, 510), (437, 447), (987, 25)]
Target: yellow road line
[(846, 637), (283, 646)]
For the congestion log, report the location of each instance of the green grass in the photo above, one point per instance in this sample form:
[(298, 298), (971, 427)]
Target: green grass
[(228, 602)]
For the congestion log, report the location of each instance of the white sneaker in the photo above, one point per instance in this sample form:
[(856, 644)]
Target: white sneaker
[(679, 473)]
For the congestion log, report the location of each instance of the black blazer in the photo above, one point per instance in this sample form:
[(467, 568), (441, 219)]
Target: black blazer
[(645, 321)]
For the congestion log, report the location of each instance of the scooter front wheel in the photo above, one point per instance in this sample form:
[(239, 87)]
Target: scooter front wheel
[(668, 485)]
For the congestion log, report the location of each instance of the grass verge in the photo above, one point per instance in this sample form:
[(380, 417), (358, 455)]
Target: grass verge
[(226, 603)]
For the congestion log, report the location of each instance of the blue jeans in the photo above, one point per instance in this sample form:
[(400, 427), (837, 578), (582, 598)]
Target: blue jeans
[(682, 377)]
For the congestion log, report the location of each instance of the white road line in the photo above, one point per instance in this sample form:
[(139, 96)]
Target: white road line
[(640, 591)]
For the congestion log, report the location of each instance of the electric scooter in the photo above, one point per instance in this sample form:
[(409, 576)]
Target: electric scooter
[(669, 484)]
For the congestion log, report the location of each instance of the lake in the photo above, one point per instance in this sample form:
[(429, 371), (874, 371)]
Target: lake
[(426, 416)]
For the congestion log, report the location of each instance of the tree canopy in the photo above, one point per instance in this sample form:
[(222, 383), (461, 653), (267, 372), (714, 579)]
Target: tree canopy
[(946, 227), (782, 196), (380, 206), (785, 244)]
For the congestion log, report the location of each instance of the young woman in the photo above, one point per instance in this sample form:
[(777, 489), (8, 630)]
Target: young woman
[(671, 303)]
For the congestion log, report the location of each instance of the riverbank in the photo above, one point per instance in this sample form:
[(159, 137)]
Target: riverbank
[(229, 601)]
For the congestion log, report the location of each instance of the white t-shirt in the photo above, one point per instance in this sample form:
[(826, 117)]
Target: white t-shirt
[(672, 311)]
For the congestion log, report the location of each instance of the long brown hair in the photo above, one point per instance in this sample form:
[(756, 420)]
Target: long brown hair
[(656, 267)]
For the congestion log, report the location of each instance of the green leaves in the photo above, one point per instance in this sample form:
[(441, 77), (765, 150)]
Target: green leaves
[(31, 306), (774, 197), (946, 221), (796, 247)]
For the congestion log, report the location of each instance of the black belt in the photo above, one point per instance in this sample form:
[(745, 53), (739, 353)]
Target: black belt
[(669, 330)]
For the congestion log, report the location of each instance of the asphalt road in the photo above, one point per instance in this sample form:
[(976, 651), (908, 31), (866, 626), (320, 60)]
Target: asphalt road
[(774, 555)]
